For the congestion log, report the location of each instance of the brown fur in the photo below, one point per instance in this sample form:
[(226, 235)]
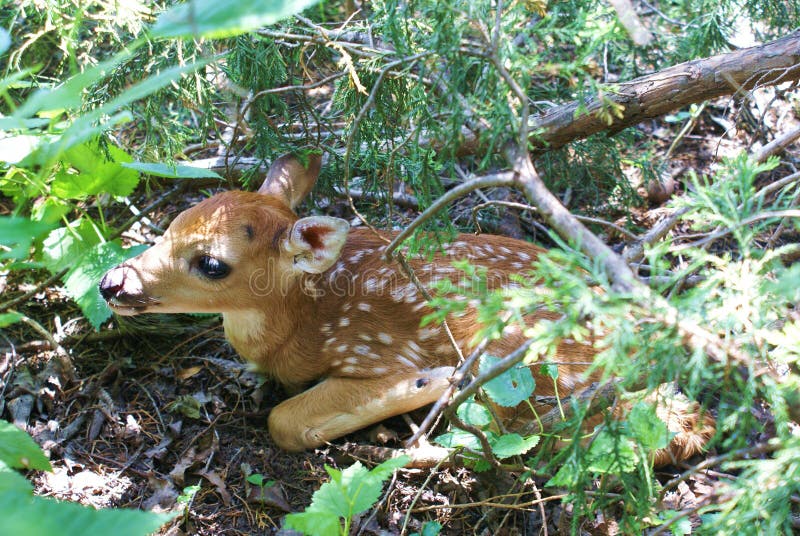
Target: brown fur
[(305, 309)]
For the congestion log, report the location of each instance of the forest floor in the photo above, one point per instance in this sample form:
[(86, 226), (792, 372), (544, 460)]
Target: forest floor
[(161, 403)]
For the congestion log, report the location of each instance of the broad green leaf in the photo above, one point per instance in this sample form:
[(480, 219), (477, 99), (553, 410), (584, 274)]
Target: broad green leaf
[(65, 245), (611, 453), (82, 280), (26, 515), (6, 319), (12, 481), (650, 431), (510, 388), (19, 451), (314, 523), (508, 445), (215, 19), (431, 528), (51, 210), (474, 413), (99, 171), (387, 468), (172, 171), (458, 438), (17, 235)]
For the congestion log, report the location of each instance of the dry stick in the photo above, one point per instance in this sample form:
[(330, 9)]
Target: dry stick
[(635, 252), (523, 206), (760, 448), (566, 225), (776, 146), (488, 181), (789, 213), (640, 35)]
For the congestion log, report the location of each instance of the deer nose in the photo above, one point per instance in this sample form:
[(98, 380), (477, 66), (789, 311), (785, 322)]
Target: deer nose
[(112, 283)]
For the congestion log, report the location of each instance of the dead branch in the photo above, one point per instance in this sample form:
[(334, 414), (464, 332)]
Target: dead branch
[(662, 92)]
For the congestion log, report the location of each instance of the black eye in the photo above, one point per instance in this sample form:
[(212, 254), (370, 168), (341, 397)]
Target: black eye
[(212, 268)]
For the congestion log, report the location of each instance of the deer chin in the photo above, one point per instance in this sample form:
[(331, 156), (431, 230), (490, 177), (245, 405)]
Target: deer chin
[(126, 309)]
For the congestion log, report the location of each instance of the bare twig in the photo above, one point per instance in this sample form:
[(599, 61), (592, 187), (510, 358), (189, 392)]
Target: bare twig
[(498, 179), (777, 145)]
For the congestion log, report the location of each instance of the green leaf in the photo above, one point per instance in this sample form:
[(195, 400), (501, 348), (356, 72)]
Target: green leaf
[(458, 438), (431, 528), (474, 413), (349, 492), (611, 453), (82, 280), (19, 451), (17, 234), (6, 319), (314, 523), (650, 431), (98, 172), (215, 19), (65, 245), (508, 445), (510, 388), (25, 515), (12, 481), (172, 171)]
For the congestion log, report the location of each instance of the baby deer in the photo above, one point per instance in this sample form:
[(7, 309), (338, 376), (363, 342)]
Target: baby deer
[(310, 302)]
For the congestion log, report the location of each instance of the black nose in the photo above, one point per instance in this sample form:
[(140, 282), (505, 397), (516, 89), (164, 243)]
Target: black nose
[(112, 283)]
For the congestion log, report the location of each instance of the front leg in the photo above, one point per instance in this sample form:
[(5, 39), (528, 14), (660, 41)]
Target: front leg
[(338, 406)]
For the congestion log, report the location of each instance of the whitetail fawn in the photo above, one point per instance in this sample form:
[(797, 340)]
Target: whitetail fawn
[(308, 300)]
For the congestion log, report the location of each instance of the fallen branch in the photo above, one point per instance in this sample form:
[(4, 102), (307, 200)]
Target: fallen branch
[(662, 92)]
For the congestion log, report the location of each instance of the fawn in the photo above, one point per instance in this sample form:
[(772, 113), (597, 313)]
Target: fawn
[(310, 302)]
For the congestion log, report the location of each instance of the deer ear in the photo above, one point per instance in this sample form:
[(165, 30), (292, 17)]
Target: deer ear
[(315, 242), (290, 180)]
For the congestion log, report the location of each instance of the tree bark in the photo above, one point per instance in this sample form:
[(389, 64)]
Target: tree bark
[(662, 92), (675, 87)]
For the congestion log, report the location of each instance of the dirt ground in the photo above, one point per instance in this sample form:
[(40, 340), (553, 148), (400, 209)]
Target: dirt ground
[(133, 415)]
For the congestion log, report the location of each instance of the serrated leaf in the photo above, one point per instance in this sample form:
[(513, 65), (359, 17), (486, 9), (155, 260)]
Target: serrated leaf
[(508, 445), (510, 388), (17, 234), (387, 468), (172, 171), (98, 172), (82, 280), (215, 19), (431, 528), (458, 438), (64, 246), (474, 413), (644, 425), (26, 515), (19, 451), (314, 523)]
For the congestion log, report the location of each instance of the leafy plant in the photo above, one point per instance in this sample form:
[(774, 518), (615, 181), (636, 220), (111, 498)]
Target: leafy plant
[(27, 515), (349, 493)]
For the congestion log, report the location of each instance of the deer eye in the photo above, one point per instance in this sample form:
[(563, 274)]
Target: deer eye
[(212, 268)]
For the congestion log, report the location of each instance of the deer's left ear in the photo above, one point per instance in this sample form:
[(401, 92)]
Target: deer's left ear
[(315, 242)]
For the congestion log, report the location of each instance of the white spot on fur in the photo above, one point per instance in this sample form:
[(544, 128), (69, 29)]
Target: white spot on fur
[(385, 338), (365, 337), (517, 265), (524, 256), (352, 360), (336, 363), (379, 370), (348, 370), (361, 349), (342, 348), (326, 327), (405, 361), (344, 322), (346, 307), (419, 306), (505, 250), (363, 306), (330, 341), (428, 333)]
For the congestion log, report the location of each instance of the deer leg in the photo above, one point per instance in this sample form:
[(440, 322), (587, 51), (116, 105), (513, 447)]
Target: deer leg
[(338, 406)]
